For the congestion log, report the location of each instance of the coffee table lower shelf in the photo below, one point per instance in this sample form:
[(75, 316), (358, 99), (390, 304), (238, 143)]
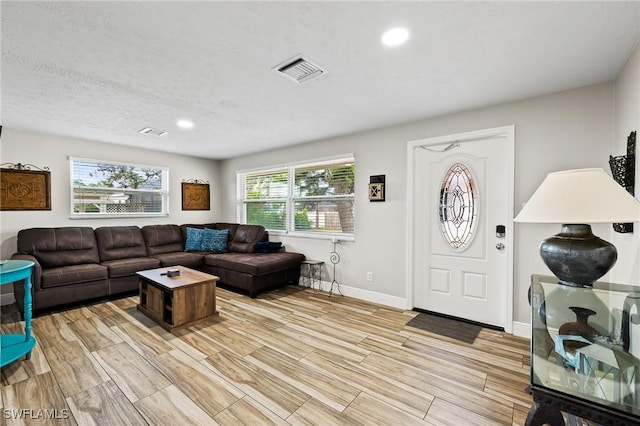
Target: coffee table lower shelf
[(177, 302)]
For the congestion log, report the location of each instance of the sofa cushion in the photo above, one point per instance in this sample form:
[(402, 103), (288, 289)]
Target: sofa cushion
[(126, 267), (56, 247), (190, 260), (194, 239), (162, 239), (255, 263), (245, 237), (183, 228), (120, 242), (232, 227), (215, 240), (73, 274)]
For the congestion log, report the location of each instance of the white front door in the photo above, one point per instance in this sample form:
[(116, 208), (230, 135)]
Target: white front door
[(461, 231)]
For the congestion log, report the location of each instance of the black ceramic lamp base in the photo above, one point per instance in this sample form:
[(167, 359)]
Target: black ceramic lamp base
[(576, 256)]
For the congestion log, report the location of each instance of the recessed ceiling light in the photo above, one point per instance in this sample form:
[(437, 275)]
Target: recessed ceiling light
[(395, 36), (185, 124)]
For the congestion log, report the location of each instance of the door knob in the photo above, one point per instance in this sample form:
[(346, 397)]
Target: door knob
[(500, 246)]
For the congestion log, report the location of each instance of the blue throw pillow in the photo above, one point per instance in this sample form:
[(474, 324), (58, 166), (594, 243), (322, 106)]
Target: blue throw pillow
[(215, 240), (194, 239)]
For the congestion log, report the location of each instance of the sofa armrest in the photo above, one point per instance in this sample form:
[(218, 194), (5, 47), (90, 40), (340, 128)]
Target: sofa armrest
[(36, 273)]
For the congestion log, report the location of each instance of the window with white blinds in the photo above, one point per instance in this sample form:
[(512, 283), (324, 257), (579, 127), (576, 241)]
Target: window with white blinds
[(316, 198), (265, 199), (108, 189)]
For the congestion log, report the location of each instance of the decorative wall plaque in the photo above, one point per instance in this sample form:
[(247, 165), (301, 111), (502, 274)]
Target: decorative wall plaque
[(376, 188), (195, 195), (22, 188)]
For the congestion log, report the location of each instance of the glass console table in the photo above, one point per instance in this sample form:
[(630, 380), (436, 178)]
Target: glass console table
[(585, 352), (14, 346)]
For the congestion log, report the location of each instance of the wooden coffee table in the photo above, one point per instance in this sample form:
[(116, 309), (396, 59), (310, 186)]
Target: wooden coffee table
[(177, 302)]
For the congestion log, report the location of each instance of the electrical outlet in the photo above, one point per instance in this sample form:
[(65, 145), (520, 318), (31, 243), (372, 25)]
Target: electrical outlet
[(369, 276)]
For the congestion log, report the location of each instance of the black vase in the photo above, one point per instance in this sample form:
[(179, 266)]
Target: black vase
[(580, 327), (576, 256)]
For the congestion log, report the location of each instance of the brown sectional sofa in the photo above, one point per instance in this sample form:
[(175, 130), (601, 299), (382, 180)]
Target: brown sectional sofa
[(74, 264)]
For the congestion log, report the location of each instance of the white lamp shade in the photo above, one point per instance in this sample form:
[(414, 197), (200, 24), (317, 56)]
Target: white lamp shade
[(579, 197)]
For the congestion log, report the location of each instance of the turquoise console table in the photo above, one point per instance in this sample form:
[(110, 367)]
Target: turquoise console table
[(13, 346)]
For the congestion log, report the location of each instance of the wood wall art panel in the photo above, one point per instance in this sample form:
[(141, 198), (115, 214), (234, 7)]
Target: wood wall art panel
[(195, 196), (25, 190)]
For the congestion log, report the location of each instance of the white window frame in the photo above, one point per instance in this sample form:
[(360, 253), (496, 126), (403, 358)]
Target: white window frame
[(290, 199), (164, 191)]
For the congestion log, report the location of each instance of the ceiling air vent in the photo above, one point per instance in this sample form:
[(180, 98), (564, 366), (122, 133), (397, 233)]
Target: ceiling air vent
[(152, 132), (299, 69)]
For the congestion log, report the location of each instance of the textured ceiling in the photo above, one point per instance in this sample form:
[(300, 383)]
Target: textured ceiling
[(104, 70)]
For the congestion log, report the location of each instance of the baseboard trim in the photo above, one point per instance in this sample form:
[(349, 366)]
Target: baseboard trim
[(7, 299), (368, 295), (522, 329), (374, 297)]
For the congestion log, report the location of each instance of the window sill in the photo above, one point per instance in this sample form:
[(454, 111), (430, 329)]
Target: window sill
[(315, 236)]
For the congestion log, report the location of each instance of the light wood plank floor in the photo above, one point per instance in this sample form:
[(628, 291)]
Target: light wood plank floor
[(289, 357)]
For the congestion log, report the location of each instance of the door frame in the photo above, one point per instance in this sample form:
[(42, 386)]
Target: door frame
[(507, 132)]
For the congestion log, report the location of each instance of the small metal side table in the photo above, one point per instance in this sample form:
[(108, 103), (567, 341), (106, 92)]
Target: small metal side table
[(13, 346), (312, 273)]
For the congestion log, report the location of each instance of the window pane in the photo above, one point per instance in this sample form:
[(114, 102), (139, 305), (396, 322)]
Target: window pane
[(107, 175), (458, 209), (267, 185), (324, 216), (334, 179), (117, 189), (88, 200), (271, 215)]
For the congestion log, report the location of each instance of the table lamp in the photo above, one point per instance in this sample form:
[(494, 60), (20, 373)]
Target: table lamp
[(575, 198)]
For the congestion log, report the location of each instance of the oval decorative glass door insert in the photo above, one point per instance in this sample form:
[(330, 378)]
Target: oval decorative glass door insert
[(458, 207)]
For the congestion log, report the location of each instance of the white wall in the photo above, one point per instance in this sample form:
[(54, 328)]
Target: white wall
[(627, 119), (571, 129), (43, 150)]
